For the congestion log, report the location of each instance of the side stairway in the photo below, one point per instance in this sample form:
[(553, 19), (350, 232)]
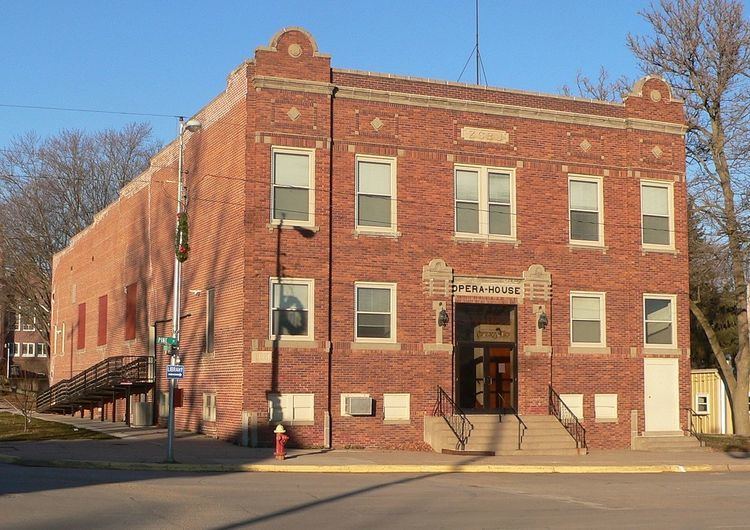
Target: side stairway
[(667, 441), (499, 435)]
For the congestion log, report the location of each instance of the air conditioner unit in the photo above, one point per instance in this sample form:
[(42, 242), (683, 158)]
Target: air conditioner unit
[(358, 405)]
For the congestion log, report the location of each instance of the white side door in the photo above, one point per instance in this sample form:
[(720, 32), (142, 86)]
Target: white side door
[(661, 394)]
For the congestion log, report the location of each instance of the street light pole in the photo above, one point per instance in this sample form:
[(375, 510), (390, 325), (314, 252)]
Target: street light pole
[(192, 126)]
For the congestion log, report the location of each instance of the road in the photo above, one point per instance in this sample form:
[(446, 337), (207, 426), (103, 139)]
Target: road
[(66, 498)]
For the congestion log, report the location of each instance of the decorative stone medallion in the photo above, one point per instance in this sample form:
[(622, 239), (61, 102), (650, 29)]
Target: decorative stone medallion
[(294, 114), (585, 146), (655, 96), (377, 123), (295, 50), (657, 152)]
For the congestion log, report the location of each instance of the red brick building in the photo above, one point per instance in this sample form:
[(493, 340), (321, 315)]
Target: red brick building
[(363, 235), (25, 352)]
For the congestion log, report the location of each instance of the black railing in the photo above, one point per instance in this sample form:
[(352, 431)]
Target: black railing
[(106, 374), (565, 416), (693, 419), (456, 419), (521, 426)]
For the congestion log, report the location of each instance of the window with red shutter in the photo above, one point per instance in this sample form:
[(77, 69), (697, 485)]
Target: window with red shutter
[(81, 326)]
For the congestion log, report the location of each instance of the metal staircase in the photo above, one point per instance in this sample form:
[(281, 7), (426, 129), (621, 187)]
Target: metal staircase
[(108, 380)]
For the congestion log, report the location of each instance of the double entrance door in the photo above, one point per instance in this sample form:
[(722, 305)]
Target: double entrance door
[(486, 377)]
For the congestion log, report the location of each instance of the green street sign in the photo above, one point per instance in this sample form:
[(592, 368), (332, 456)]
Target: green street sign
[(167, 341)]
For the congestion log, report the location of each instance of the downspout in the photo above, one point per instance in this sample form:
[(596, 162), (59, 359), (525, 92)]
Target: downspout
[(329, 345)]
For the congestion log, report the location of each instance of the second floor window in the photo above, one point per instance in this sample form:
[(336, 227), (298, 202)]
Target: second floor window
[(656, 211), (293, 190), (485, 202), (585, 210), (376, 194), (587, 319)]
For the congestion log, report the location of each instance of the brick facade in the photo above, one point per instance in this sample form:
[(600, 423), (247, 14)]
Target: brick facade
[(289, 96)]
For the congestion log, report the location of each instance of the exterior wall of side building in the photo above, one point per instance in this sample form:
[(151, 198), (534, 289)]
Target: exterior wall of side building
[(357, 211)]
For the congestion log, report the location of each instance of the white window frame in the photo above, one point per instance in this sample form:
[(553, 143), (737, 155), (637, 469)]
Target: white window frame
[(311, 185), (394, 305), (673, 300), (401, 418), (26, 349), (29, 326), (18, 325), (669, 186), (15, 349), (41, 349), (697, 404), (209, 406), (310, 310), (599, 181), (599, 405), (484, 204), (602, 317), (392, 162), (280, 396)]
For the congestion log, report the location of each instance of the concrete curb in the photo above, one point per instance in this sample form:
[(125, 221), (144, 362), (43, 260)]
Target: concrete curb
[(374, 468)]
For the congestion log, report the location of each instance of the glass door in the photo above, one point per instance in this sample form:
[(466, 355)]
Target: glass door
[(486, 377)]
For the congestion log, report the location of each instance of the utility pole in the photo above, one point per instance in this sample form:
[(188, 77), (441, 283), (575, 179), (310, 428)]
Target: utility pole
[(192, 126)]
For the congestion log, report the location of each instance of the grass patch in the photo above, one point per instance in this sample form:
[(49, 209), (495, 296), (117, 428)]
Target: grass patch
[(727, 442), (11, 429)]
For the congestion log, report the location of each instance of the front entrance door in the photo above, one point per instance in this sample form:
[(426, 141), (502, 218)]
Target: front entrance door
[(486, 377), (661, 394)]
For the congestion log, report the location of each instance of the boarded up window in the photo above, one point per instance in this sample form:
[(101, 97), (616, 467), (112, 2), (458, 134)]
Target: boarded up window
[(81, 326), (101, 332), (131, 293)]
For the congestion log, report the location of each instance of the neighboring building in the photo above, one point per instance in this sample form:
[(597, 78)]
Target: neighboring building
[(338, 217), (25, 351), (712, 412)]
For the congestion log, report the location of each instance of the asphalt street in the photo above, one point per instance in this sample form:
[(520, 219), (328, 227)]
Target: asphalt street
[(46, 498)]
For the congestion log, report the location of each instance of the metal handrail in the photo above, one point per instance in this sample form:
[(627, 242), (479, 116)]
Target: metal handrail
[(107, 373), (565, 416), (520, 423), (454, 417), (691, 427)]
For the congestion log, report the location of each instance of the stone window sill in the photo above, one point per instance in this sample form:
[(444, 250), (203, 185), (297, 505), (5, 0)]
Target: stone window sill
[(657, 250), (582, 246), (606, 420), (292, 226), (293, 423), (292, 343), (362, 346), (396, 422), (483, 238), (393, 234), (590, 349)]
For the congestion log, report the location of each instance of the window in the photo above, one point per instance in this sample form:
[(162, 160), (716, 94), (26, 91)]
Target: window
[(28, 349), (15, 349), (210, 311), (17, 319), (396, 407), (81, 326), (291, 308), (656, 211), (376, 194), (291, 407), (131, 305), (658, 320), (575, 403), (209, 407), (586, 207), (29, 323), (101, 330), (375, 319), (41, 349), (605, 406), (587, 319), (701, 404), (485, 202), (293, 196)]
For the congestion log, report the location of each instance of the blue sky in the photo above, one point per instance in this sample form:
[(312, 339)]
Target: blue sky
[(172, 57)]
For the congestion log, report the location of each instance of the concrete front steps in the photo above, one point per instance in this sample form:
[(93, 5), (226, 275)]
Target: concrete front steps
[(667, 441), (544, 436)]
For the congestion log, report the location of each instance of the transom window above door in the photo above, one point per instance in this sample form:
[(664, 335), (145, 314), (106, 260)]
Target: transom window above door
[(485, 202)]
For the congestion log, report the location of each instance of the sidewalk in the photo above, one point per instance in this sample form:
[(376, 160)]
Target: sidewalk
[(145, 448)]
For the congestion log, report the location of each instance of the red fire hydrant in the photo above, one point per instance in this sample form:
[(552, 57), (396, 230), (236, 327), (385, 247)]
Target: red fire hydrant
[(281, 440)]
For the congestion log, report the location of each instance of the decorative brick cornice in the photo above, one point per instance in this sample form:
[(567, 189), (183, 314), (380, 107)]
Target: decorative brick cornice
[(295, 85)]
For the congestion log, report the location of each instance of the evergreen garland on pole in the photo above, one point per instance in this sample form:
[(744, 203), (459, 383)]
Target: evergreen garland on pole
[(181, 246)]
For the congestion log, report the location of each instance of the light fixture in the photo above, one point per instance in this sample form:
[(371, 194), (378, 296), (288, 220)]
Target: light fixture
[(543, 321), (443, 318), (193, 125)]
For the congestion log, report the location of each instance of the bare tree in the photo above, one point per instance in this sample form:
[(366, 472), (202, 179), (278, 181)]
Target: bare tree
[(49, 191), (603, 88), (702, 47)]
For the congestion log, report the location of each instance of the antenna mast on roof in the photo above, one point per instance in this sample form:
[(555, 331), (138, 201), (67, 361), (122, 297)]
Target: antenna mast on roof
[(475, 51)]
